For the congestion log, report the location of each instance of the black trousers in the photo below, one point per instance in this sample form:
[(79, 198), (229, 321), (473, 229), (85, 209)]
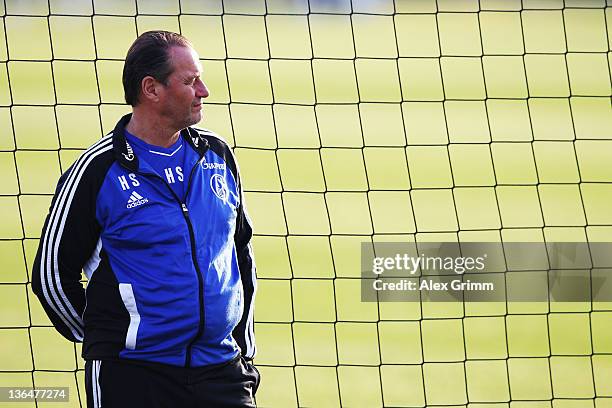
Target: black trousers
[(135, 384)]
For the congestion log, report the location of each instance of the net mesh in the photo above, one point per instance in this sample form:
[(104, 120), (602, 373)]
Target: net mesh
[(353, 122)]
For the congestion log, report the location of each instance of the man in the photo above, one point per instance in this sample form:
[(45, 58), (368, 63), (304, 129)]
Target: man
[(154, 215)]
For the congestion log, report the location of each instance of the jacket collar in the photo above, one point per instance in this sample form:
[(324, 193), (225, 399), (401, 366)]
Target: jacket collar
[(125, 155)]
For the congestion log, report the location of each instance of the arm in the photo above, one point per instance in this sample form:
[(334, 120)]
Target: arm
[(244, 331), (68, 239)]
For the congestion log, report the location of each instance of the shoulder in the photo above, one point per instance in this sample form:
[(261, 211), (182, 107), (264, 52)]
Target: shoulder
[(215, 141), (219, 146), (99, 153), (93, 162)]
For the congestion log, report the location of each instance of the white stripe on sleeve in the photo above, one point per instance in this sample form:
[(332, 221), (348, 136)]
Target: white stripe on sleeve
[(49, 269)]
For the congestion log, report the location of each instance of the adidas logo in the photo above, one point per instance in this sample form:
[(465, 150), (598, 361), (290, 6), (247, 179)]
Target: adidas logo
[(135, 200)]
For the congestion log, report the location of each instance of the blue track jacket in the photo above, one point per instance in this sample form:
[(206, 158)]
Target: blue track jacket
[(171, 279)]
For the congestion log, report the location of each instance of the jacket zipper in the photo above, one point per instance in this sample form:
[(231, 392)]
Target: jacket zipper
[(200, 330), (194, 258)]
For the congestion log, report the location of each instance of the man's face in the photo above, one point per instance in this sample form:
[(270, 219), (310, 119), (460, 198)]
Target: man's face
[(181, 99)]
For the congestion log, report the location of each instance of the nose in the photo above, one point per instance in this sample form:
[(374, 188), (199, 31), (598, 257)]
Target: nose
[(201, 89)]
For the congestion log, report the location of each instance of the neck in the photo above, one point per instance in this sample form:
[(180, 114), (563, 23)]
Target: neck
[(152, 129)]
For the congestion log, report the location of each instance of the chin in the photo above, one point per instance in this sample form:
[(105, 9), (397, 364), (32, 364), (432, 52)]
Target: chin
[(196, 118), (191, 120)]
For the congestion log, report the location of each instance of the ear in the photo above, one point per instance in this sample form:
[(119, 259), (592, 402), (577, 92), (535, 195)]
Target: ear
[(150, 88)]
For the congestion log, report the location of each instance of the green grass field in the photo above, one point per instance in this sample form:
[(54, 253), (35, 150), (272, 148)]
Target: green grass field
[(382, 121)]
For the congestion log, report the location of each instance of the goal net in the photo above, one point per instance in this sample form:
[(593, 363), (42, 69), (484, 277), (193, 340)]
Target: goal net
[(353, 122)]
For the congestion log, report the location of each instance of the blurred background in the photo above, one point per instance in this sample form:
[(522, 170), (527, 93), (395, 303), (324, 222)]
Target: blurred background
[(362, 121)]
